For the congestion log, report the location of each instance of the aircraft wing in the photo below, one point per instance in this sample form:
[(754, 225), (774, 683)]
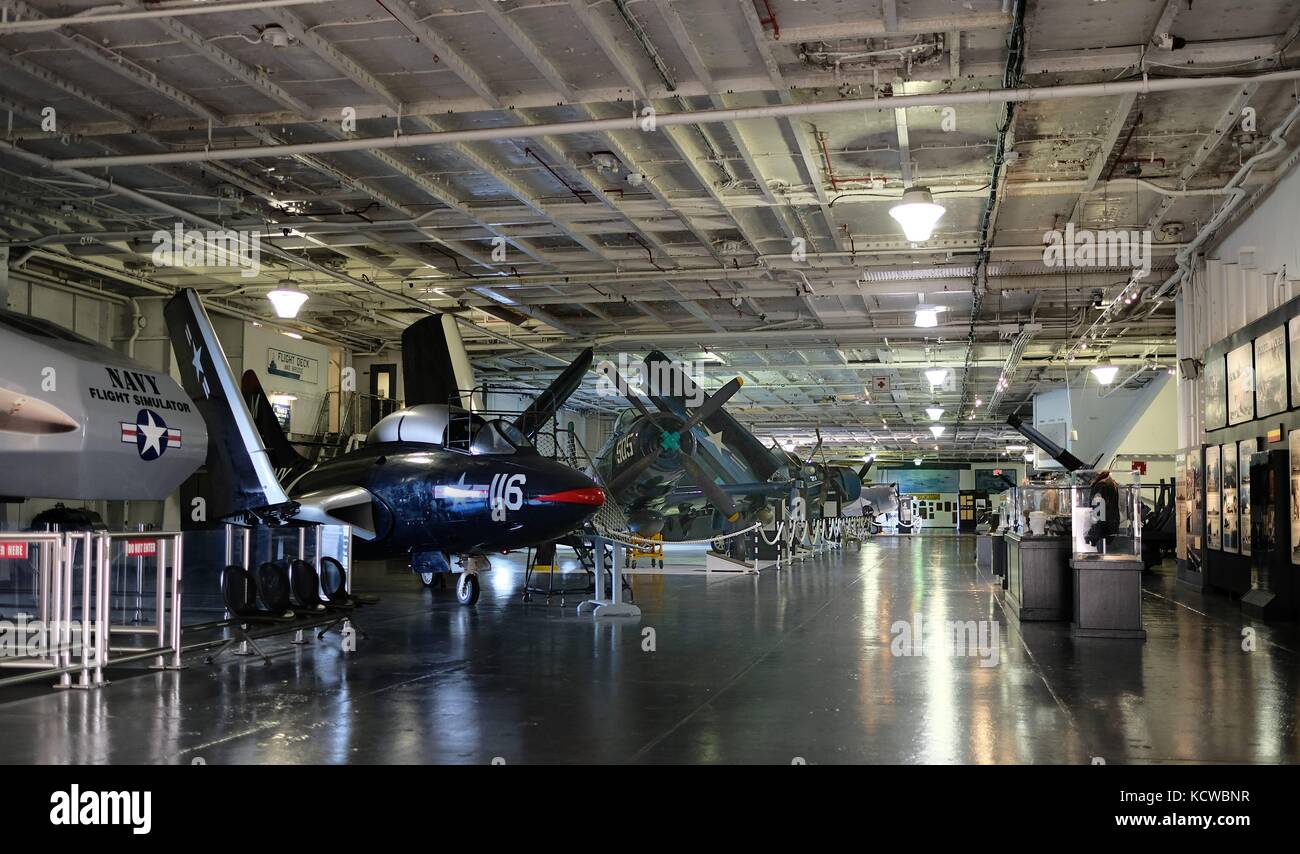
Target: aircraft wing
[(344, 505)]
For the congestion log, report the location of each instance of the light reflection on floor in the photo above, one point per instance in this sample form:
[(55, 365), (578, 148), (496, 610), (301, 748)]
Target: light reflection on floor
[(796, 663)]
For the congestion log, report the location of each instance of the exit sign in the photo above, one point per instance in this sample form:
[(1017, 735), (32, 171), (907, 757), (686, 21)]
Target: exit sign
[(1139, 466)]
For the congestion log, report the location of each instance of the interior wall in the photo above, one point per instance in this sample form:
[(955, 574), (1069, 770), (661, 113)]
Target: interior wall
[(310, 391), (1254, 269), (1099, 419)]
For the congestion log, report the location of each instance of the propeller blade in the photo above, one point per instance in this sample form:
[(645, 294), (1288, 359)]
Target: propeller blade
[(812, 455), (720, 500), (612, 374), (713, 404), (632, 472)]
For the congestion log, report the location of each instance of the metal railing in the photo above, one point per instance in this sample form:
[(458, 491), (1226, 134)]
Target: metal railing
[(65, 646)]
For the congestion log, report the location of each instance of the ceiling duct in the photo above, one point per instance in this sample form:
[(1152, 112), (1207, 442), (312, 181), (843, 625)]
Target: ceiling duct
[(1012, 364)]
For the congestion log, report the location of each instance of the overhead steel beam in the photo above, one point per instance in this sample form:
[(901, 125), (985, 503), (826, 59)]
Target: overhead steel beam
[(869, 28), (531, 51), (1121, 117), (697, 117), (1226, 121)]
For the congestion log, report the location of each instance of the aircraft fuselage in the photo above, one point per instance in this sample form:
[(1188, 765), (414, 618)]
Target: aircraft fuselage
[(426, 498)]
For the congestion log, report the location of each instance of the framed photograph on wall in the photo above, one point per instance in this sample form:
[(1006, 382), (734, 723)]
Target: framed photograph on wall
[(1241, 384), (1246, 448), (1231, 518), (1214, 391), (1294, 443), (1213, 510), (1195, 492), (1270, 373)]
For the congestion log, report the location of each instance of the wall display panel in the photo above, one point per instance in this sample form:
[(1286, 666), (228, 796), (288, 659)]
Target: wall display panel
[(918, 480), (1231, 518), (1270, 372), (987, 481), (1213, 519), (1214, 390), (1195, 489), (1293, 335), (1180, 505), (1293, 441), (1241, 384), (1246, 448)]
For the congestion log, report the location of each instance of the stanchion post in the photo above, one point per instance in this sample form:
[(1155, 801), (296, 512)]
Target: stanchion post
[(178, 557)]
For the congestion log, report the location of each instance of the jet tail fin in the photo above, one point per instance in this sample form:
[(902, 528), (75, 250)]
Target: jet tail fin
[(243, 476), (287, 461), (435, 365)]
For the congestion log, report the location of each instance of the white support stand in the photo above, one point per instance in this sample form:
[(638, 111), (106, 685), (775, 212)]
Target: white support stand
[(718, 562), (613, 605)]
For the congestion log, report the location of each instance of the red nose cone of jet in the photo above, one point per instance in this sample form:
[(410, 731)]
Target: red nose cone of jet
[(591, 496)]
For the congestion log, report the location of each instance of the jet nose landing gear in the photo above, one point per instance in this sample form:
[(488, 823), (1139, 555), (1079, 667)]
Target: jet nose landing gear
[(467, 589)]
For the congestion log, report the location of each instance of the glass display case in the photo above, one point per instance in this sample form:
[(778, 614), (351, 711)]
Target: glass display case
[(1043, 508), (1106, 514)]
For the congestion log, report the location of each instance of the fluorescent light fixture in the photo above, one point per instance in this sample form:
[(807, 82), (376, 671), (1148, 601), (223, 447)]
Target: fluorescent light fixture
[(936, 376), (1017, 449), (286, 301), (916, 462), (1105, 374), (927, 318), (917, 213), (937, 430), (935, 412), (291, 334)]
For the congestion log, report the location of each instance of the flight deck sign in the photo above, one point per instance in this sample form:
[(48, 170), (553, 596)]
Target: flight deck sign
[(285, 364)]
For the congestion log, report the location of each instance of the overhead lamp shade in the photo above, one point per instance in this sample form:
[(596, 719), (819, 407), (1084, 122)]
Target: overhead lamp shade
[(1105, 374), (937, 430), (936, 376), (1029, 457), (916, 462), (935, 413), (286, 301), (917, 213)]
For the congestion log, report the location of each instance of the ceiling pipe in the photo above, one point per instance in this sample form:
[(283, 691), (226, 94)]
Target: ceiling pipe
[(149, 201), (170, 10), (696, 117)]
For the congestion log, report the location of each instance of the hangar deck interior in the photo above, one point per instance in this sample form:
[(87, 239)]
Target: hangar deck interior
[(866, 296)]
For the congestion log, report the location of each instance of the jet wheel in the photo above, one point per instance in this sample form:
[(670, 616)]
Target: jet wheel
[(467, 589)]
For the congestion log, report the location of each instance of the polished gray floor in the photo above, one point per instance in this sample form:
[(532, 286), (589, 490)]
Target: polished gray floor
[(797, 665)]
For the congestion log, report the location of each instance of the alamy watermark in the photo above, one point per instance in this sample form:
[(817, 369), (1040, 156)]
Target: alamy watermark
[(947, 639), (660, 379), (27, 638), (209, 248), (1107, 248)]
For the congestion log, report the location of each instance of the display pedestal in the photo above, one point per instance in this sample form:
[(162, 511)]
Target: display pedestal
[(1038, 577), (984, 553), (1107, 597)]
